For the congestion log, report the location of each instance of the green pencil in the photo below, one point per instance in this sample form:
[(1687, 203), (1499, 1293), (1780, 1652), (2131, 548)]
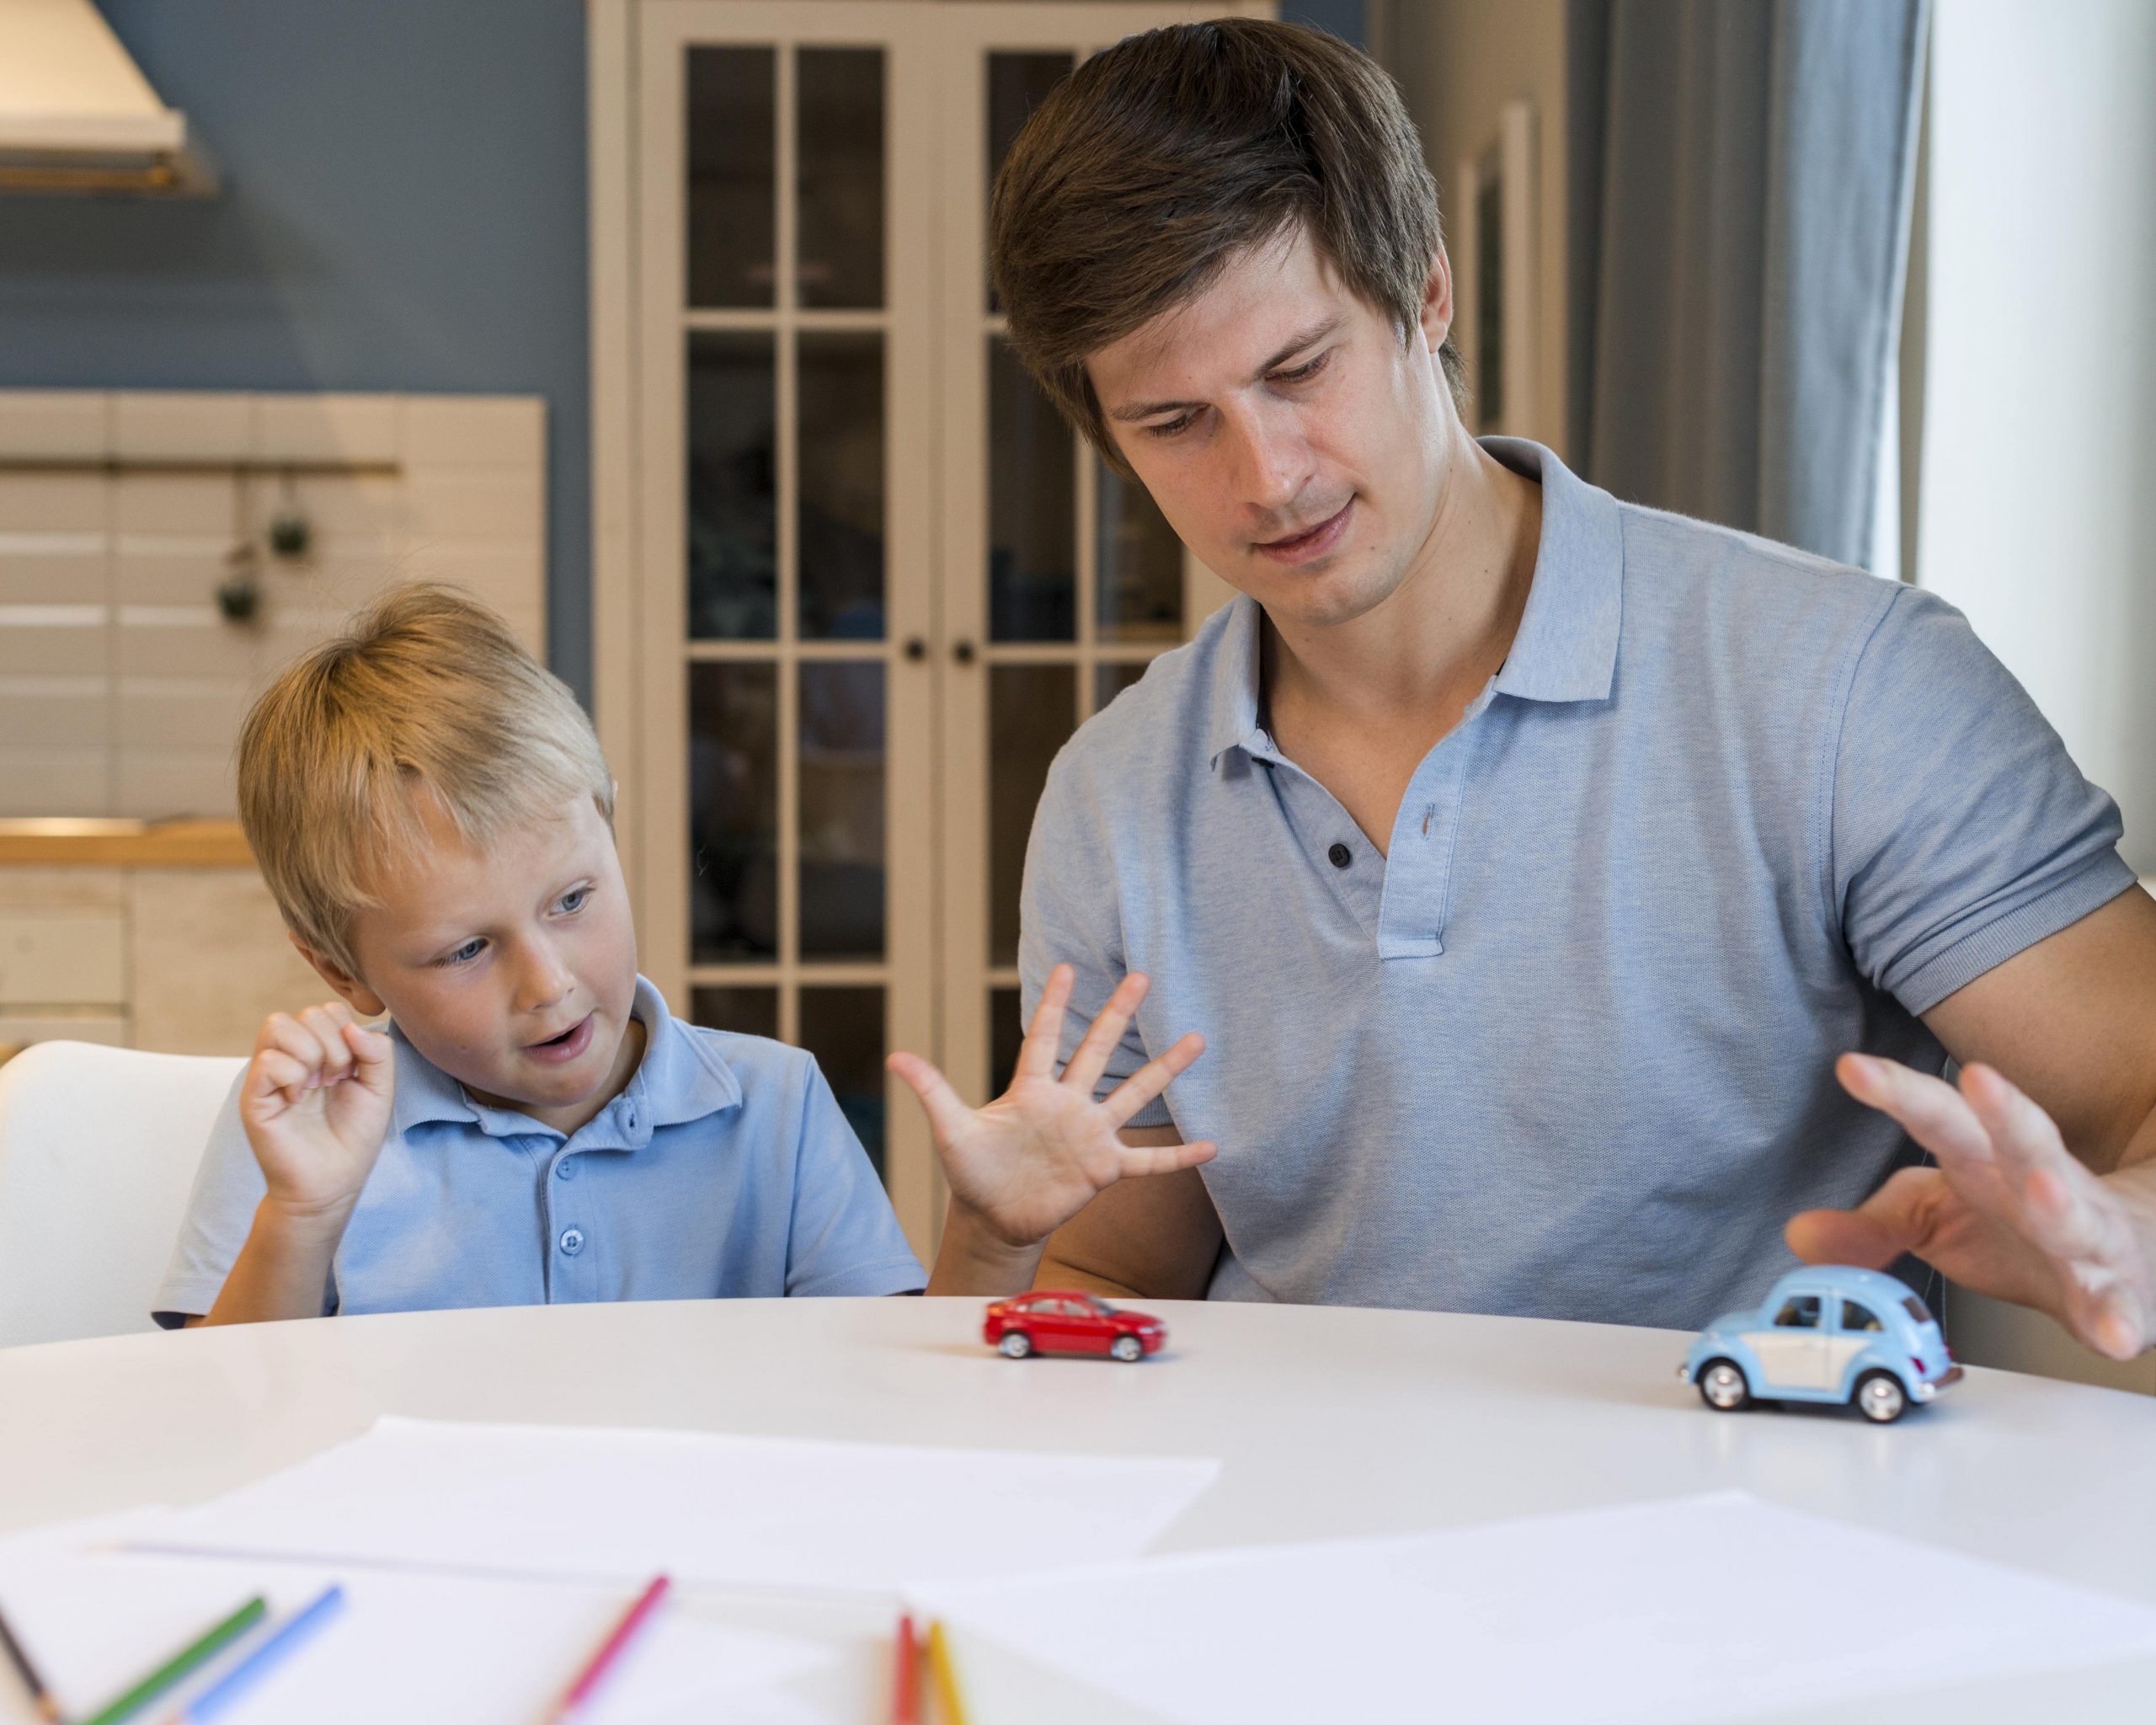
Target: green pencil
[(195, 1654)]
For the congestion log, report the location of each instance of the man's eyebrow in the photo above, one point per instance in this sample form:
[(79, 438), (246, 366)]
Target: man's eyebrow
[(1308, 337)]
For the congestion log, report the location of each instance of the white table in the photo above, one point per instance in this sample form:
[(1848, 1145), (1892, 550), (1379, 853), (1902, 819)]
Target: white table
[(1330, 1422)]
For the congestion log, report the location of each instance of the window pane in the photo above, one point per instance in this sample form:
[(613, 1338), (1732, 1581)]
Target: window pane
[(1032, 585), (1005, 1033), (840, 383), (733, 525), (842, 811), (1140, 589), (844, 1028), (1859, 1317), (1031, 711), (839, 99), (1800, 1311), (732, 197), (752, 1012), (732, 811), (1017, 82), (1110, 679)]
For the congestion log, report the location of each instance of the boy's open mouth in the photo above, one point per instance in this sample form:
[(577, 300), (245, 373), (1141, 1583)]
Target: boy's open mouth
[(571, 1042)]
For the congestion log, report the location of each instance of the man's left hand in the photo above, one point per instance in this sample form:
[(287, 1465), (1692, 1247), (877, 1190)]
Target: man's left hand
[(2008, 1211)]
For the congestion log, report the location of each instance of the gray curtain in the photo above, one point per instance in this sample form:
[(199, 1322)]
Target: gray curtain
[(1738, 286)]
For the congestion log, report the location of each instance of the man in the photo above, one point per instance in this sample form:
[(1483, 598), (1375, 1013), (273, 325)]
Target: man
[(1525, 859)]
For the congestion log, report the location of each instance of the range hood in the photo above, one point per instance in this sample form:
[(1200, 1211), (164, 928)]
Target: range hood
[(76, 113)]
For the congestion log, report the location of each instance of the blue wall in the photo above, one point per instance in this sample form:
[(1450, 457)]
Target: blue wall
[(404, 209)]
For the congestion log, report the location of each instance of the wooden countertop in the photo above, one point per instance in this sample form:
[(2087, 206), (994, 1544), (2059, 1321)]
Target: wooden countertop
[(125, 844)]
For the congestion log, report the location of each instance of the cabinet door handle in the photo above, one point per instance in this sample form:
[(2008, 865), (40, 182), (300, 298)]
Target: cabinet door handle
[(962, 651), (916, 650)]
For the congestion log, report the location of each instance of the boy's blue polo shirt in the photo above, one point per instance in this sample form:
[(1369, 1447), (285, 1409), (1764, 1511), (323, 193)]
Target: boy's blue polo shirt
[(1565, 1047), (724, 1169)]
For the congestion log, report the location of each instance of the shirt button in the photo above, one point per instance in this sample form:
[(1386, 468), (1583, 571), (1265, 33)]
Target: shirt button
[(565, 1169), (1340, 856), (572, 1242)]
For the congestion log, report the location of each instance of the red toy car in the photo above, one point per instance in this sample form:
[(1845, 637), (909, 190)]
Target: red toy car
[(1056, 1321)]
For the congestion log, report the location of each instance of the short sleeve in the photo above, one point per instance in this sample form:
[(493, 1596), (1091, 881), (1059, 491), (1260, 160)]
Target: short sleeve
[(1071, 913), (228, 1185), (1960, 831), (843, 1238)]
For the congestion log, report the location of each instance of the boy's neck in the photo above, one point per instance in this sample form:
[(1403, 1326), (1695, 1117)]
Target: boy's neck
[(570, 1118)]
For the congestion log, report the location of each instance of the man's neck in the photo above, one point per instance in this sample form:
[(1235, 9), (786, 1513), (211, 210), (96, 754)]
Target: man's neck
[(1424, 652)]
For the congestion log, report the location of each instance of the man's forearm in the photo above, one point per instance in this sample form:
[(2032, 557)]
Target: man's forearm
[(282, 1269)]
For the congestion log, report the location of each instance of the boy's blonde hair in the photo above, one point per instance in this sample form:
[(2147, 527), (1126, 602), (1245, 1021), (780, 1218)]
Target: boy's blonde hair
[(427, 692)]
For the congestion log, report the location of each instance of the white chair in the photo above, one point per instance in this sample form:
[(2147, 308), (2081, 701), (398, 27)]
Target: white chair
[(97, 1150)]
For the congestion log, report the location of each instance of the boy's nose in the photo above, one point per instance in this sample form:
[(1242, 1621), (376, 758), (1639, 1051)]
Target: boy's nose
[(545, 982)]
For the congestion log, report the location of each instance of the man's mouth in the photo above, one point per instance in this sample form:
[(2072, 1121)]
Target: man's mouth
[(1310, 543)]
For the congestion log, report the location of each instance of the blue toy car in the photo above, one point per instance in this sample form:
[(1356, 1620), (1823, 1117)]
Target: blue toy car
[(1828, 1332)]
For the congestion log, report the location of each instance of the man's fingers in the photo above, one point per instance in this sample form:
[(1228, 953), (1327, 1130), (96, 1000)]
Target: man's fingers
[(1044, 1035), (1149, 1079), (1139, 1160), (1929, 1109), (947, 1116), (1859, 1236), (2059, 1200), (1091, 1058)]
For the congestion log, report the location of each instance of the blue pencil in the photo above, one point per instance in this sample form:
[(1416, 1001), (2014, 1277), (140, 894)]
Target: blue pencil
[(288, 1635)]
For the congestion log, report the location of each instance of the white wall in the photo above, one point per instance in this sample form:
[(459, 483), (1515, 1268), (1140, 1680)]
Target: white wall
[(2037, 506), (1458, 62)]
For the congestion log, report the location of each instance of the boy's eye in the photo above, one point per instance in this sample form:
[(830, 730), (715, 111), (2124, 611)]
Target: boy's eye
[(572, 900), (466, 954)]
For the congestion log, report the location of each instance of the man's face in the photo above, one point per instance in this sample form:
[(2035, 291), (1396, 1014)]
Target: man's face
[(513, 970), (1293, 441)]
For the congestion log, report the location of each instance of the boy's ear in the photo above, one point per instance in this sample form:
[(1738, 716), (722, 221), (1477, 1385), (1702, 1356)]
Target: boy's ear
[(355, 993)]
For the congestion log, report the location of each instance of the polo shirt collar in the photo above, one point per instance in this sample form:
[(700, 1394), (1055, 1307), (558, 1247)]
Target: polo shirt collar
[(1566, 646), (680, 1078)]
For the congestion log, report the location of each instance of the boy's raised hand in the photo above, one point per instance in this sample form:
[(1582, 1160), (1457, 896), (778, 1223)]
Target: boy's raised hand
[(315, 1103), (1035, 1157)]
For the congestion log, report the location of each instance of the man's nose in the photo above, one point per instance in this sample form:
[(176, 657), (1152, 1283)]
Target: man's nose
[(1272, 466)]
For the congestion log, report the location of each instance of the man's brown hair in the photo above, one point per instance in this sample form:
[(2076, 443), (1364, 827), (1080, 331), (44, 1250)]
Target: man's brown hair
[(1154, 163)]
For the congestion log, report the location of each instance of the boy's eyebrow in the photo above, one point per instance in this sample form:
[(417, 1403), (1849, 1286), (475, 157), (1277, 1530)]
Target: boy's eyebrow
[(1145, 410)]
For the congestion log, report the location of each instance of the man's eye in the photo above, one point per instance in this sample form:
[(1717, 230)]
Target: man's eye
[(466, 954), (1171, 428), (1303, 374)]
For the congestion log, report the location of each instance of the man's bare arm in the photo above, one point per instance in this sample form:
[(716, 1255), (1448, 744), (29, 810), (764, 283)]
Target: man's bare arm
[(1154, 1239), (2045, 1187)]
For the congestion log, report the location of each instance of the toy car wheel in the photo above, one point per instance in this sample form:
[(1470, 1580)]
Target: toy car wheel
[(1126, 1348), (1722, 1386), (1016, 1344), (1879, 1397)]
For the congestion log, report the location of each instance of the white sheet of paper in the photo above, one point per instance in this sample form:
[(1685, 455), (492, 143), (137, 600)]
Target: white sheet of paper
[(1714, 1607), (404, 1647), (709, 1510)]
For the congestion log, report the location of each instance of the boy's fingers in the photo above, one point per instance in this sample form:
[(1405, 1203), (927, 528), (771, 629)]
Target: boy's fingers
[(947, 1116), (373, 1062), (1149, 1079), (288, 1036), (326, 1026), (275, 1070), (1141, 1160), (1044, 1035), (1091, 1058)]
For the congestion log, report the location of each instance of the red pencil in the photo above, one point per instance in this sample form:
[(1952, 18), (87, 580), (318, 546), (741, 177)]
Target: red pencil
[(588, 1679), (905, 1680)]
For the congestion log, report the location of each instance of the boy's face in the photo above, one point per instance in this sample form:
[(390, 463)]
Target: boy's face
[(514, 969), (1293, 441)]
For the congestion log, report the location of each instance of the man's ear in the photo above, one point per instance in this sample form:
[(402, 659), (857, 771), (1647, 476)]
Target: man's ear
[(1435, 319), (355, 993)]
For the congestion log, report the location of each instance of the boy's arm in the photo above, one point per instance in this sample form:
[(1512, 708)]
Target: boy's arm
[(1027, 1163), (315, 1103)]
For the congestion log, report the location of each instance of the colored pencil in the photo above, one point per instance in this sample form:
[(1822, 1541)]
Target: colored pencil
[(947, 1676), (196, 1654), (287, 1635), (588, 1680), (905, 1680), (48, 1709)]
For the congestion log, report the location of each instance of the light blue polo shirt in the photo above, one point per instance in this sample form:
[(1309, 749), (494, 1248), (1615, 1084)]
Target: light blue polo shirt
[(1725, 811), (723, 1170)]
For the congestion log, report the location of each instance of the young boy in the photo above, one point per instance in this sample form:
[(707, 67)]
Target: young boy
[(434, 816)]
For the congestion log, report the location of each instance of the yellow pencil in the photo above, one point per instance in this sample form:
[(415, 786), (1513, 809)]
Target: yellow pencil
[(948, 1696)]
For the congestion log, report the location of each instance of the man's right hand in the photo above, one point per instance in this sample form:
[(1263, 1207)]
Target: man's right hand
[(315, 1103)]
